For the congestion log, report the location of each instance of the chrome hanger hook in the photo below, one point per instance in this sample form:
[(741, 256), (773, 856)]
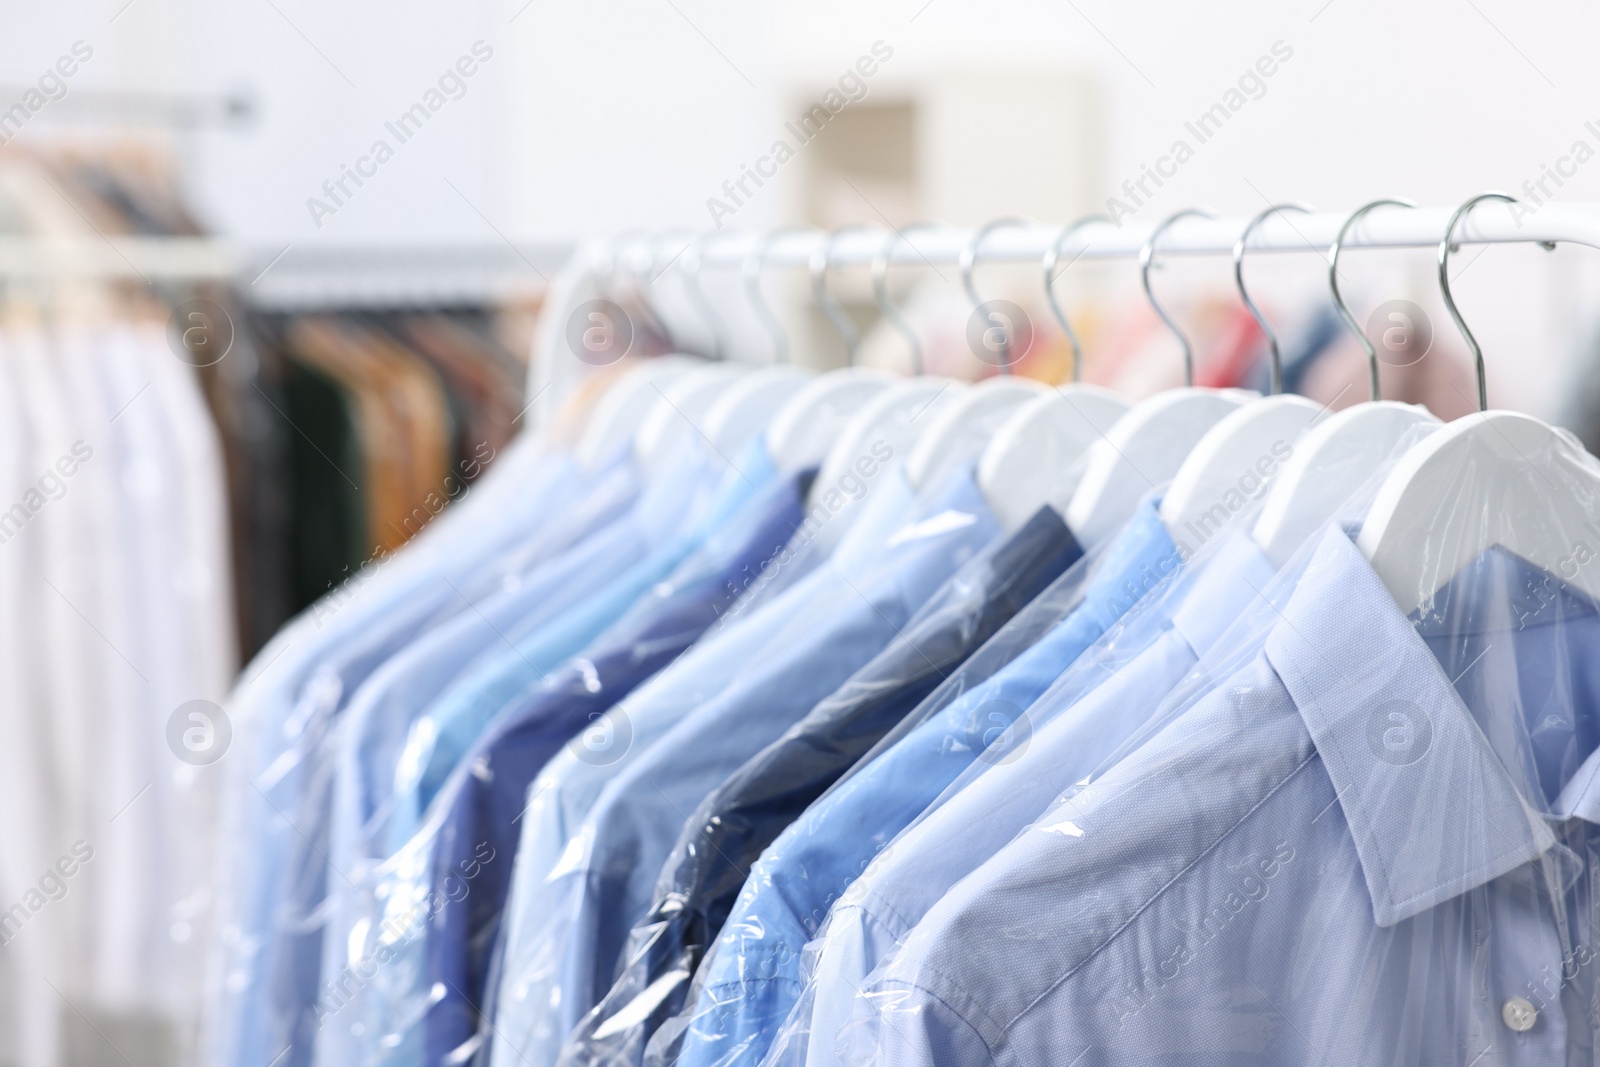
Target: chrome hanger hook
[(1276, 365), (880, 289), (1450, 301), (692, 261), (754, 264), (1052, 256), (969, 263), (643, 290), (613, 257), (1147, 256), (821, 262), (1333, 283)]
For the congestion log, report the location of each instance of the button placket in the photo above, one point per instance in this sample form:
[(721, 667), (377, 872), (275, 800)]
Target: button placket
[(1531, 996)]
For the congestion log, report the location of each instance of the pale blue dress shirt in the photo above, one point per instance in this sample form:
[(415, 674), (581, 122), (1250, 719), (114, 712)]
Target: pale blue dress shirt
[(602, 528), (284, 703), (1071, 729), (672, 518), (359, 746), (1374, 843), (687, 501), (552, 844), (637, 820)]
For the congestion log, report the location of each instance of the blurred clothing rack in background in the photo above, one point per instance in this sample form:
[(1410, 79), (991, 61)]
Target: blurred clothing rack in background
[(387, 276), (124, 108)]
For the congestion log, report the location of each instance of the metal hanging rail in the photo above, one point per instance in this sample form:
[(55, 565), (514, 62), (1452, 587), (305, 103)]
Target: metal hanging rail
[(1413, 228)]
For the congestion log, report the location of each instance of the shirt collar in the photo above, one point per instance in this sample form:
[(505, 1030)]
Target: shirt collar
[(1431, 808)]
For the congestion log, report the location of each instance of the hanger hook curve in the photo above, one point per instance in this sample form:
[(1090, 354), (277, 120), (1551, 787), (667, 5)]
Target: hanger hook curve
[(1052, 256), (755, 262), (1450, 301), (626, 261), (880, 288), (1276, 364), (691, 261), (821, 262), (969, 263), (1147, 256), (1338, 298)]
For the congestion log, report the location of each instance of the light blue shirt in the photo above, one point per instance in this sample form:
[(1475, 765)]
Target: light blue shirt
[(676, 515), (602, 528), (1375, 842), (752, 978), (633, 826), (1087, 714), (551, 844), (285, 701)]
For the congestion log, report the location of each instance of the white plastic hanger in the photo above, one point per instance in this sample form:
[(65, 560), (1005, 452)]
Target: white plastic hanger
[(1146, 446), (963, 430), (679, 416), (1496, 478), (890, 423), (1035, 459), (959, 433), (618, 414), (803, 430), (1239, 456), (887, 425), (1337, 455), (748, 405)]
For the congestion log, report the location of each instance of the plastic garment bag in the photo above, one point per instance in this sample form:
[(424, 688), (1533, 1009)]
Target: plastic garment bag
[(432, 913), (552, 828), (358, 749), (1091, 710), (283, 704), (751, 977), (367, 744), (609, 874), (1371, 841), (732, 826), (569, 784)]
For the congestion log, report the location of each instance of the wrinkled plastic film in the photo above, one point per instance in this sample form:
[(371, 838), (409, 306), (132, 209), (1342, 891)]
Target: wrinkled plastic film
[(275, 724), (638, 818), (1138, 660), (771, 796), (1367, 837), (558, 888), (360, 756), (375, 920)]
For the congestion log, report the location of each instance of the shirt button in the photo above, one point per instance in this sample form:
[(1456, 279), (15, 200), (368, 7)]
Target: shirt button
[(1519, 1014)]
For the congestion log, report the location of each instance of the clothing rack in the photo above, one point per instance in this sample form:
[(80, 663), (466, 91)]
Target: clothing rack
[(1489, 223), (652, 256), (295, 278), (170, 259), (123, 107)]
